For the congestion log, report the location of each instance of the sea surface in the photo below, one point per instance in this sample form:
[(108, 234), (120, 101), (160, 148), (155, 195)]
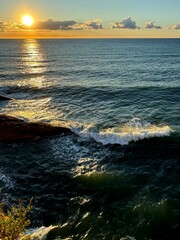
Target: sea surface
[(118, 176)]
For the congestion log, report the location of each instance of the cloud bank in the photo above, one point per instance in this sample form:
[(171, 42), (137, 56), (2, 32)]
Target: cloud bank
[(96, 24), (51, 24), (68, 25), (150, 25), (126, 23), (54, 25)]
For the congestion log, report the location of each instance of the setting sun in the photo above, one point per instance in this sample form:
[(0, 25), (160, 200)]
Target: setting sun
[(27, 20)]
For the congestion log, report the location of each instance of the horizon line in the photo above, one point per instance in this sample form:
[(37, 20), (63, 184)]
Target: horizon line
[(1, 38)]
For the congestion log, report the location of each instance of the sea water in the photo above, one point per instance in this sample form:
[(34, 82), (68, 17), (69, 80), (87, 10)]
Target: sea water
[(118, 176)]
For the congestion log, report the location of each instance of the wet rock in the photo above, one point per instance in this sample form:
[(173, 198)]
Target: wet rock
[(4, 98), (13, 129)]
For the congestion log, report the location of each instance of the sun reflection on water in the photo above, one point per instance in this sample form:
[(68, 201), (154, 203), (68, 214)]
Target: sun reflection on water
[(31, 109), (33, 61), (30, 84), (32, 52)]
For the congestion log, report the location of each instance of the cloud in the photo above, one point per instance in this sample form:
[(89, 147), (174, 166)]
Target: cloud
[(90, 24), (3, 26), (126, 23), (51, 24), (150, 25), (9, 27), (54, 25), (176, 27), (44, 25)]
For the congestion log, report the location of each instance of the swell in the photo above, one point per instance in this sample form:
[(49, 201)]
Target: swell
[(89, 94), (21, 75)]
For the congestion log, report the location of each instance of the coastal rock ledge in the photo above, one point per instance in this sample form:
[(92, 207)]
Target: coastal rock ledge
[(13, 129), (4, 98)]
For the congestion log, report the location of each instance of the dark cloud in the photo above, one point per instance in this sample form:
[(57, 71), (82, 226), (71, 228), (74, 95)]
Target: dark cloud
[(126, 23), (54, 25), (150, 25), (51, 24)]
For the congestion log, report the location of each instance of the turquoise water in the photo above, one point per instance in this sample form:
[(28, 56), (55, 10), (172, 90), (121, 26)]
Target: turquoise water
[(118, 176)]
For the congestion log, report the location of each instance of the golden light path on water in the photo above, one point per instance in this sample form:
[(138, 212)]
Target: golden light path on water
[(33, 66), (33, 61)]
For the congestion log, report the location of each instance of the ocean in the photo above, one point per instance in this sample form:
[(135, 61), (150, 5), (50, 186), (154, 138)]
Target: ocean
[(118, 176)]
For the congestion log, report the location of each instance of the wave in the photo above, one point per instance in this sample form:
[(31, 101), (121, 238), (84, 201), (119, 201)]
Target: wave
[(134, 130), (42, 233), (16, 76)]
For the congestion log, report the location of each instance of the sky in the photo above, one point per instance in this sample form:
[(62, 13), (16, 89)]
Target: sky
[(91, 18)]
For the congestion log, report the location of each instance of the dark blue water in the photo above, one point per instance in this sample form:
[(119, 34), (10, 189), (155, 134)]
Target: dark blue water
[(118, 176)]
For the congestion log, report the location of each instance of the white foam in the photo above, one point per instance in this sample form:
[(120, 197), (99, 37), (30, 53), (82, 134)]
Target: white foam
[(126, 137), (128, 238), (40, 233), (134, 130)]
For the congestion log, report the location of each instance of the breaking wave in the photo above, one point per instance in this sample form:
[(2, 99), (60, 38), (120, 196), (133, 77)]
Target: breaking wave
[(134, 130), (40, 233)]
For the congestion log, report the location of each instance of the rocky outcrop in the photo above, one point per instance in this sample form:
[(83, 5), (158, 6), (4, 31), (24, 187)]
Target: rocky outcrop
[(4, 98), (13, 129)]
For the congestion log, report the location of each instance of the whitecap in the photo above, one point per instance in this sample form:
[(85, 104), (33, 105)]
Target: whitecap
[(40, 233), (134, 130)]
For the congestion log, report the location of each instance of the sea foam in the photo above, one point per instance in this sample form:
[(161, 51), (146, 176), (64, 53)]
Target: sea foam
[(40, 233), (134, 130)]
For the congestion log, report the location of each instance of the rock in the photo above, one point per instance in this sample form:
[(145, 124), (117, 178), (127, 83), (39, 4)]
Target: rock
[(4, 98), (13, 129)]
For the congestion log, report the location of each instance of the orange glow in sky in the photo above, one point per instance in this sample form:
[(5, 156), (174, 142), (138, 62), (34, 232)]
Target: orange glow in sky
[(115, 19)]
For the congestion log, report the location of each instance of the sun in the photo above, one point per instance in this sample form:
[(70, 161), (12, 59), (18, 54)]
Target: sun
[(27, 20)]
